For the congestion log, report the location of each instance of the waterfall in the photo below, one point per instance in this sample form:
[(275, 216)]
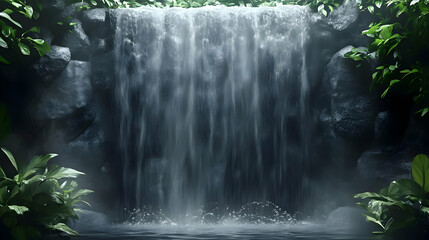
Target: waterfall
[(212, 106)]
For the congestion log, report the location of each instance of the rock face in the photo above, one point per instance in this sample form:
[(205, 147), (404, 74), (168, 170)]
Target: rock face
[(78, 42), (94, 22), (53, 63), (70, 92), (352, 107), (102, 71), (382, 165), (344, 15)]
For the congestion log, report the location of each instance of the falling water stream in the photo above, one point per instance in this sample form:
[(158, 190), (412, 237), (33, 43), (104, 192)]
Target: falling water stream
[(212, 105)]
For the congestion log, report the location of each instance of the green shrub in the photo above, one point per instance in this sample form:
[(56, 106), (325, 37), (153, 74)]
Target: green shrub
[(34, 203), (403, 207), (399, 39), (14, 34)]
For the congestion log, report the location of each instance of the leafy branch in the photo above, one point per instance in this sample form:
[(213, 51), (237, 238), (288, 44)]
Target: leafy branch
[(34, 202), (14, 35), (399, 42)]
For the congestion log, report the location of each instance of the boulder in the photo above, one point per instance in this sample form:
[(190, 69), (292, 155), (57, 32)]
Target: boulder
[(347, 218), (68, 93), (382, 165), (94, 22), (102, 71), (73, 11), (389, 127), (90, 142), (53, 63), (352, 106), (78, 42), (345, 15), (98, 46)]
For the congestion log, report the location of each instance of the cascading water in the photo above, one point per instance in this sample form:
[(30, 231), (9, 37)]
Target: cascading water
[(212, 106)]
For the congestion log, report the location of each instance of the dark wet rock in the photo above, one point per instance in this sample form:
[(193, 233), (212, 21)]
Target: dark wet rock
[(53, 62), (102, 71), (78, 42), (347, 218), (94, 22), (352, 107), (98, 46), (110, 25), (389, 127), (70, 92), (91, 141), (73, 125), (344, 15), (73, 11), (382, 165)]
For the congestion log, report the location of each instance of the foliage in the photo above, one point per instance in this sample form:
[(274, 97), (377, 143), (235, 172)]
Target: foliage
[(15, 35), (322, 6), (34, 202), (404, 205), (399, 42)]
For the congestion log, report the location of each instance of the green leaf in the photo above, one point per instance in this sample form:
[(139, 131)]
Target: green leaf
[(2, 174), (37, 162), (63, 228), (5, 15), (371, 9), (15, 4), (393, 82), (4, 195), (79, 193), (402, 188), (42, 48), (6, 30), (3, 43), (11, 158), (28, 11), (385, 93), (61, 172), (372, 195), (378, 4), (20, 210), (414, 2), (24, 48), (33, 29), (3, 60), (420, 171)]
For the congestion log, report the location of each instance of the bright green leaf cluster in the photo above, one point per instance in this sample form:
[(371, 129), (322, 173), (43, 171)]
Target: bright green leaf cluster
[(399, 41), (34, 202), (404, 205), (14, 35)]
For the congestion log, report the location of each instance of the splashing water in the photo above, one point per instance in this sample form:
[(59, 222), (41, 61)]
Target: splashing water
[(251, 213)]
